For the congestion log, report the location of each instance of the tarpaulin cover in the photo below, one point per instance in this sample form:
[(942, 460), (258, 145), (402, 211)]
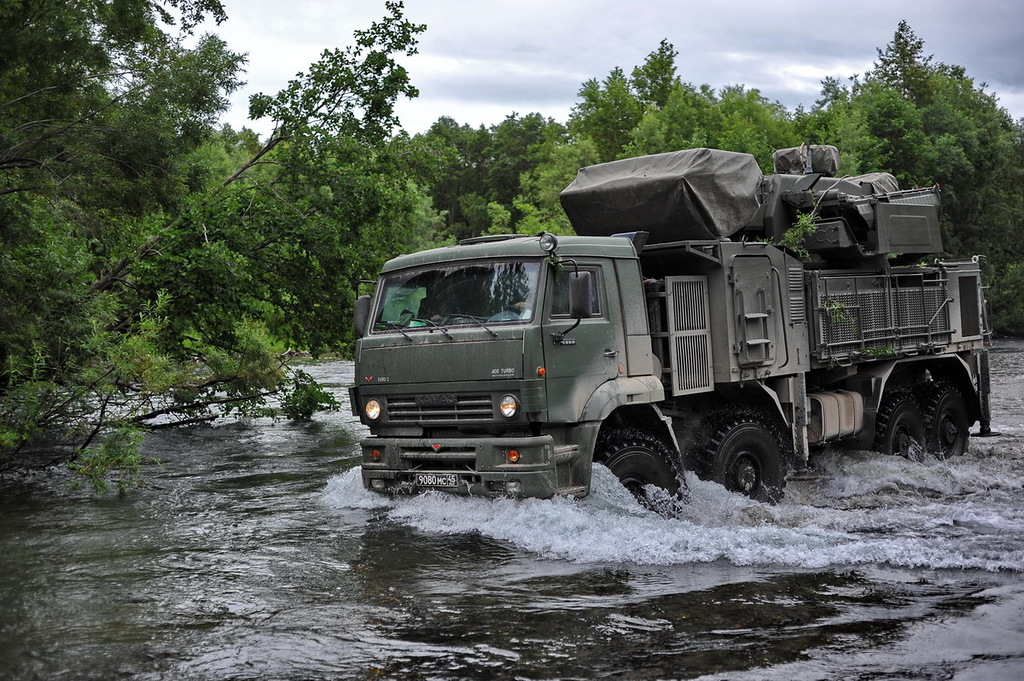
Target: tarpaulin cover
[(824, 159), (680, 195), (876, 183)]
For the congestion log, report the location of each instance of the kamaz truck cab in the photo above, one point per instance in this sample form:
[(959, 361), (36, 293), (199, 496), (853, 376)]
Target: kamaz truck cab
[(490, 367)]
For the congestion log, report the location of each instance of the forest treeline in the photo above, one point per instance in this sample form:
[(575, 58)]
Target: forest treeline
[(157, 268)]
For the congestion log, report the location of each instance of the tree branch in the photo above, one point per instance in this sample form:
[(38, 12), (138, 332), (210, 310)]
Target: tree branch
[(180, 409), (110, 278)]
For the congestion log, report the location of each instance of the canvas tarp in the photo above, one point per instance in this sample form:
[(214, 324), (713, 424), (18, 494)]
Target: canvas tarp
[(679, 195), (824, 159)]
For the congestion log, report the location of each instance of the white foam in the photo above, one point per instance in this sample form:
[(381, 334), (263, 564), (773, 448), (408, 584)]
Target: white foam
[(865, 509)]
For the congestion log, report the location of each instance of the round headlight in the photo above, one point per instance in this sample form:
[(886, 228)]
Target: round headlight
[(548, 242), (509, 406), (372, 410)]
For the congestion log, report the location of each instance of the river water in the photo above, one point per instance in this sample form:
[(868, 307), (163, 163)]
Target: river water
[(254, 553)]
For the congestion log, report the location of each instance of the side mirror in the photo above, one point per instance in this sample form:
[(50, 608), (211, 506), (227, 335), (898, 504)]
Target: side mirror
[(361, 315), (581, 291)]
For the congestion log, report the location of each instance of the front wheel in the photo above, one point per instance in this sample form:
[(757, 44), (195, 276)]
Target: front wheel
[(638, 459)]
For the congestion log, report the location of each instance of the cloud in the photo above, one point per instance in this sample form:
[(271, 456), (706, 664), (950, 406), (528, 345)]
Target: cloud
[(479, 61)]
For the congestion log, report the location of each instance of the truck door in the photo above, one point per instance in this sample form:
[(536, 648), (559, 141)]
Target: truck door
[(756, 310), (578, 360)]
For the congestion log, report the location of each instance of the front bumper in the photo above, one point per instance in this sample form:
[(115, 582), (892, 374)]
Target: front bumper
[(528, 466)]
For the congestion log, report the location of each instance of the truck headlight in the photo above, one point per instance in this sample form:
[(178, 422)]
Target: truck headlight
[(372, 410), (509, 406), (548, 242)]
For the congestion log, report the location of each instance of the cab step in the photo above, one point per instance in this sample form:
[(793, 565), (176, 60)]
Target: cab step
[(566, 453), (577, 491)]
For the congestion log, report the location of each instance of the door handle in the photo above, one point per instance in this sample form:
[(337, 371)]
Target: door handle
[(611, 353)]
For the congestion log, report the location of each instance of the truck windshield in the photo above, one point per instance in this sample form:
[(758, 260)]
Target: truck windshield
[(462, 294)]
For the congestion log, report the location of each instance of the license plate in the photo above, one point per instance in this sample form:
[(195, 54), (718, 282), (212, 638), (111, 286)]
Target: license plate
[(437, 480)]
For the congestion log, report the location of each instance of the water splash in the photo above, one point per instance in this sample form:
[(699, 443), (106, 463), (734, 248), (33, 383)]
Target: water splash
[(864, 509)]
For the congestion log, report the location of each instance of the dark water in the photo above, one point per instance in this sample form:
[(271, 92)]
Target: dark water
[(255, 554)]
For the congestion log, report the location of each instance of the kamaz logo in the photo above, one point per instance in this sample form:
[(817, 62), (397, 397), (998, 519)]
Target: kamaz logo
[(437, 400)]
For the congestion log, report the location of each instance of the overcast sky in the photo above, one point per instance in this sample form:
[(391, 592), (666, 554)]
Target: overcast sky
[(481, 60)]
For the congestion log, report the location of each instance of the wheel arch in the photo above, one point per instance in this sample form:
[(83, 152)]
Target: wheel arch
[(757, 396), (630, 402), (877, 380), (622, 392), (956, 371), (644, 417)]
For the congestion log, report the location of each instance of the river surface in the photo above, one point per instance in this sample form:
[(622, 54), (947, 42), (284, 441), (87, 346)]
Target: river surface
[(254, 553)]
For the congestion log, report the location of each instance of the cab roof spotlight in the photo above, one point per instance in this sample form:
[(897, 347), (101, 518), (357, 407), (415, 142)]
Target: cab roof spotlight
[(548, 242)]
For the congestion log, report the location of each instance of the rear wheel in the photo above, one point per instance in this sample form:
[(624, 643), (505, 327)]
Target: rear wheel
[(744, 453), (638, 459), (945, 421), (899, 425)]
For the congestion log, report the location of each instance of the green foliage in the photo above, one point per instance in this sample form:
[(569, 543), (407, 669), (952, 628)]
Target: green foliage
[(304, 397), (606, 114), (796, 236), (688, 120), (539, 202), (885, 351), (483, 166), (836, 311), (655, 79), (116, 457), (348, 92), (155, 270), (500, 218), (1006, 299)]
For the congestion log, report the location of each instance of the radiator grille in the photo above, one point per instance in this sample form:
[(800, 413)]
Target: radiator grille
[(463, 408)]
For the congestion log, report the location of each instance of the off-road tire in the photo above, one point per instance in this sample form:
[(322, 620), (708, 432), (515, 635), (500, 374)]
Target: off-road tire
[(745, 452), (946, 424), (637, 459), (900, 425)]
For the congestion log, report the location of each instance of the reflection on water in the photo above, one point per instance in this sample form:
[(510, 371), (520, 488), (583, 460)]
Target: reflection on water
[(255, 553)]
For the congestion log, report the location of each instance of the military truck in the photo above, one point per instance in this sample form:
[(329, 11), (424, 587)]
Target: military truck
[(704, 316)]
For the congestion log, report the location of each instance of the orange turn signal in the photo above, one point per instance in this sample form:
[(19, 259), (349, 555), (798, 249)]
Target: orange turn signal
[(512, 456)]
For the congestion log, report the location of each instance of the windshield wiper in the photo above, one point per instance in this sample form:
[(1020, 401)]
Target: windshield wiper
[(478, 322), (433, 324), (399, 329)]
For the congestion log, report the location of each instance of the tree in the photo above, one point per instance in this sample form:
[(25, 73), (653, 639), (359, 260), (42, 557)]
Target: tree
[(929, 123), (99, 112), (903, 66), (654, 80), (175, 302), (460, 183), (608, 112), (516, 146), (540, 187), (752, 124)]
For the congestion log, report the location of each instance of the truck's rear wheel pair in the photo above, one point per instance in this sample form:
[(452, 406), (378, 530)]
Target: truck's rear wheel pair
[(638, 459), (932, 419)]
